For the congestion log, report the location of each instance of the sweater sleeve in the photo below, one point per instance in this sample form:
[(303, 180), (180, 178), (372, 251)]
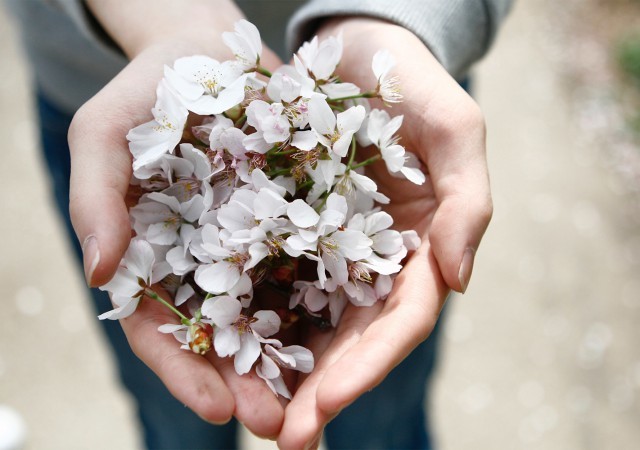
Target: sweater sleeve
[(78, 12), (458, 32)]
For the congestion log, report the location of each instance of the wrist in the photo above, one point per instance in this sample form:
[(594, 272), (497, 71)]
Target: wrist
[(195, 26)]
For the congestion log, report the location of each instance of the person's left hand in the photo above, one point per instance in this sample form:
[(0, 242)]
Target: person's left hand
[(450, 212)]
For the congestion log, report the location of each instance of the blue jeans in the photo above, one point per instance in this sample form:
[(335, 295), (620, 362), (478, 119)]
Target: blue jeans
[(392, 416)]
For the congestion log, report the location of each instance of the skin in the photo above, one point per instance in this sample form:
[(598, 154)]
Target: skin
[(100, 173), (445, 129), (451, 211)]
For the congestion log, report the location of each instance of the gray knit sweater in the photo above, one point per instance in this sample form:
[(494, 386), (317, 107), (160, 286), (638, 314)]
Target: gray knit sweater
[(73, 58)]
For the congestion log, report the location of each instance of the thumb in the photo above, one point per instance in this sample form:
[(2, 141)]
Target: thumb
[(458, 168), (101, 162), (457, 228), (100, 172)]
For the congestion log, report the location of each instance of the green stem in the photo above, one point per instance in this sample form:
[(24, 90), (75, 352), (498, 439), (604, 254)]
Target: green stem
[(369, 94), (306, 184), (275, 173), (352, 156), (366, 162), (240, 121), (322, 203), (285, 152), (152, 294), (262, 71)]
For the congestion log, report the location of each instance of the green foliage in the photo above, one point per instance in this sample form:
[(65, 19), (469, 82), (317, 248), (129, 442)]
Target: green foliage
[(628, 57)]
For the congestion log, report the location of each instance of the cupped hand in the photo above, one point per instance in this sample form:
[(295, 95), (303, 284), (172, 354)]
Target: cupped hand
[(101, 171), (444, 127)]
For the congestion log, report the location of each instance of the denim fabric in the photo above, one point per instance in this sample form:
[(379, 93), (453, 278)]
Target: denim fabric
[(391, 416)]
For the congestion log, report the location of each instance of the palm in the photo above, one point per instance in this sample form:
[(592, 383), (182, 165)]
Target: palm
[(101, 169), (449, 212)]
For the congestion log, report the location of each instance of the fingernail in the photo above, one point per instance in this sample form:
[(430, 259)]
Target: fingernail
[(90, 256), (466, 266)]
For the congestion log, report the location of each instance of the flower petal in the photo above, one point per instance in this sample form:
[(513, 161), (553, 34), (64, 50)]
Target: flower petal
[(304, 140), (226, 341), (268, 323), (218, 277), (128, 307), (248, 353), (184, 293), (222, 310), (301, 214), (139, 258), (321, 117)]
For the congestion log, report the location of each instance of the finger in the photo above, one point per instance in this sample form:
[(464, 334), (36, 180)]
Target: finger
[(99, 181), (101, 166), (189, 377), (458, 170), (256, 407), (304, 420), (407, 319)]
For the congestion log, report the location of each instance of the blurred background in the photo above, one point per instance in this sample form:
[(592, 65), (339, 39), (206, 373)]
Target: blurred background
[(542, 351)]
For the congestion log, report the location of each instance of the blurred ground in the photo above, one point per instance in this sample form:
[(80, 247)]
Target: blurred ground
[(541, 353)]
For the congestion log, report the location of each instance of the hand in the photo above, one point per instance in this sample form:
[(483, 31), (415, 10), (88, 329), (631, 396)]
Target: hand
[(445, 129), (101, 170)]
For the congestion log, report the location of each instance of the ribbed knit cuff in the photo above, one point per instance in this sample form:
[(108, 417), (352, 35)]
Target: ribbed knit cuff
[(458, 32)]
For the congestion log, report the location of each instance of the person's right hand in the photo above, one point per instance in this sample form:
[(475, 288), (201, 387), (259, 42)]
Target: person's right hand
[(152, 35)]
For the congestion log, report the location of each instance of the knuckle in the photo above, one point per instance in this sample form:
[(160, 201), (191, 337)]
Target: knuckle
[(80, 122), (462, 117), (485, 210)]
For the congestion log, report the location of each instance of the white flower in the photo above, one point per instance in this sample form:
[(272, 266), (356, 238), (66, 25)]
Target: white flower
[(380, 130), (291, 357), (287, 84), (150, 141), (388, 88), (387, 245), (196, 337), (271, 125), (237, 334), (206, 86), (314, 298), (337, 90), (333, 246), (333, 132), (179, 257), (133, 276), (352, 183), (254, 218), (319, 59), (323, 176), (158, 217), (185, 175), (223, 266), (245, 43), (272, 122), (269, 371)]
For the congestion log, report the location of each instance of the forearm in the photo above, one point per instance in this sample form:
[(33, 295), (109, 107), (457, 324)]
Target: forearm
[(139, 24)]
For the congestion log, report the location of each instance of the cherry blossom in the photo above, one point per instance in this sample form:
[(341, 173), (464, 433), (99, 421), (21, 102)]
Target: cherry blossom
[(131, 279), (334, 132), (388, 88), (237, 334), (245, 44), (150, 141), (319, 58), (206, 86), (266, 184), (381, 129)]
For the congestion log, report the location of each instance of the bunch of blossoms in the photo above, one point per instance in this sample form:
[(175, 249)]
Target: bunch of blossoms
[(250, 179)]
